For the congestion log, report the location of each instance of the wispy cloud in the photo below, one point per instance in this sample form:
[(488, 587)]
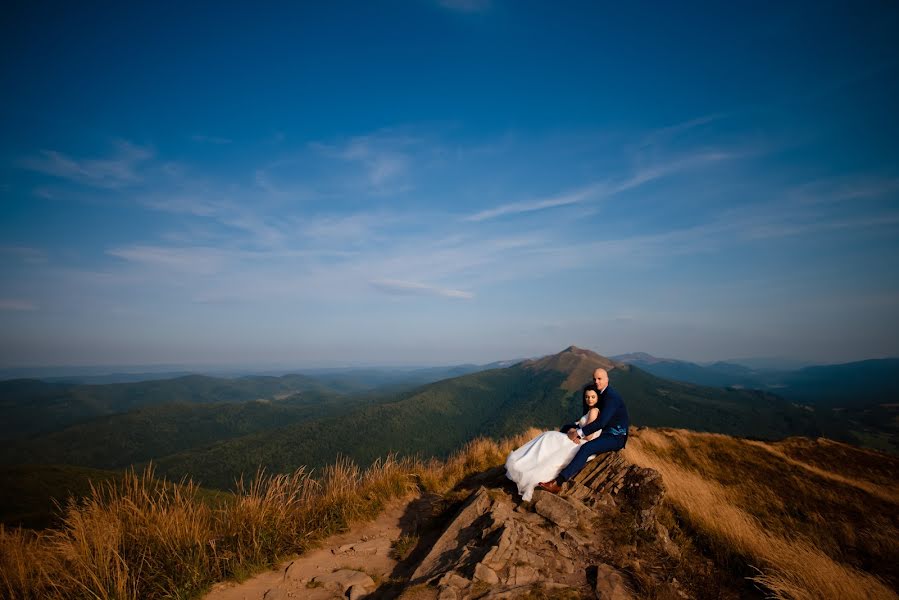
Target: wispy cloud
[(653, 172), (468, 6), (185, 204), (349, 227), (542, 204), (119, 170), (664, 136), (604, 189), (241, 216), (202, 260), (211, 139), (793, 228), (233, 242), (839, 189), (410, 288), (16, 305), (24, 254), (382, 155)]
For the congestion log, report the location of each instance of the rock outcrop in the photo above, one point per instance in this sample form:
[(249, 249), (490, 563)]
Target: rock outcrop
[(497, 547)]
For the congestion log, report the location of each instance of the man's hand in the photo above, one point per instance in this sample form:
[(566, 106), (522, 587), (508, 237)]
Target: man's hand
[(572, 435)]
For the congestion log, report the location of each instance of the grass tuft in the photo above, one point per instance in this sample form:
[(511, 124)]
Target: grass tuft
[(402, 547)]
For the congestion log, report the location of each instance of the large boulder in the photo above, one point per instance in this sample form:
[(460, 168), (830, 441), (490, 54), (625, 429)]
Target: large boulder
[(498, 547)]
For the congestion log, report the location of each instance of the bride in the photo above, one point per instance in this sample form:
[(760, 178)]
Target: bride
[(546, 455)]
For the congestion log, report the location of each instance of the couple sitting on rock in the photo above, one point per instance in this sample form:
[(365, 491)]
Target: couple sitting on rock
[(554, 457)]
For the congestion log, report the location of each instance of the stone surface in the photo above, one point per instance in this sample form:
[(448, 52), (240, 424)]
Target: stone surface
[(366, 548), (356, 592), (497, 548), (485, 574), (610, 584), (448, 593), (556, 509), (454, 580), (522, 575), (643, 492), (343, 579), (445, 550)]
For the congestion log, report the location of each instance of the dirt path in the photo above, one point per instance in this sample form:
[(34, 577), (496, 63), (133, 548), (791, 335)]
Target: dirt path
[(365, 548)]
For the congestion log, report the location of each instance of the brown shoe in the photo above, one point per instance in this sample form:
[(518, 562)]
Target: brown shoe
[(550, 486)]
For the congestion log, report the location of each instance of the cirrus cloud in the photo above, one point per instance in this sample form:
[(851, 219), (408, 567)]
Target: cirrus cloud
[(397, 287)]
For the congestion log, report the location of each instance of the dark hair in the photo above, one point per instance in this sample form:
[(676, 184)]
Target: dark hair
[(588, 388)]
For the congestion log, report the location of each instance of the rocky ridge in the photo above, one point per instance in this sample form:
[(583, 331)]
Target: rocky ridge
[(497, 547), (602, 537)]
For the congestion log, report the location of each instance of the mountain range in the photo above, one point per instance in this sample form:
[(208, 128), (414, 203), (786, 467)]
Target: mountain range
[(214, 429), (849, 385)]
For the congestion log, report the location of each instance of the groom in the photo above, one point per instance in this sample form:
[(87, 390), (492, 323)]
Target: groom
[(613, 421)]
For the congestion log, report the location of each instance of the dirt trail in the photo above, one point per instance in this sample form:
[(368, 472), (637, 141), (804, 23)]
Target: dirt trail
[(365, 548)]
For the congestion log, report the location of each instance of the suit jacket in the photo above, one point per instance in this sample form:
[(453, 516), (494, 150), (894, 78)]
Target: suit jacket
[(613, 418)]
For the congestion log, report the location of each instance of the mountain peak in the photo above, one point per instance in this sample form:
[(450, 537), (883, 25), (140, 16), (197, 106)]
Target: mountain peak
[(577, 363)]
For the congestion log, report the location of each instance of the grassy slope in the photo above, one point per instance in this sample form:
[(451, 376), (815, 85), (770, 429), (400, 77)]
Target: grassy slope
[(819, 518), (141, 538)]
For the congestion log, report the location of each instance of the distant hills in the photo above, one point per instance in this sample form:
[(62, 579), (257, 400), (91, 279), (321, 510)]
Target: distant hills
[(216, 442), (849, 385), (720, 374), (856, 402), (32, 406), (214, 429)]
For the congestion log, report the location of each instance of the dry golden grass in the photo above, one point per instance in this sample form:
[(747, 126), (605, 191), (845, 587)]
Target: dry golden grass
[(476, 456), (810, 533), (145, 538)]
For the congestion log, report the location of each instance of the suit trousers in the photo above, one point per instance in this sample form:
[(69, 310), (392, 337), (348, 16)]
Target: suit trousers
[(601, 445)]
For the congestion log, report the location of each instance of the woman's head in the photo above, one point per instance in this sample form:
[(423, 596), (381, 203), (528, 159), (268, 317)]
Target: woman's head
[(590, 397)]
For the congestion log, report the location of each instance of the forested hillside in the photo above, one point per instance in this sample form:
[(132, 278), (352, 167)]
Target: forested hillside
[(30, 406), (857, 402), (216, 442), (146, 433), (439, 417)]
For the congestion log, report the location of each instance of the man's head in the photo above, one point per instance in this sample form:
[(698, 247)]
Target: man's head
[(600, 379)]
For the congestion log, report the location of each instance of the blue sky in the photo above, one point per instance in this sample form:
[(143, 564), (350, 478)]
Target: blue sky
[(427, 182)]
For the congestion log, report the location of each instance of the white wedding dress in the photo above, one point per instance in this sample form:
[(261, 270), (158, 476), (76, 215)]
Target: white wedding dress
[(542, 459)]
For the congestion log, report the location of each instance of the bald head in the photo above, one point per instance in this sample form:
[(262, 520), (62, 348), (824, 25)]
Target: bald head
[(600, 379)]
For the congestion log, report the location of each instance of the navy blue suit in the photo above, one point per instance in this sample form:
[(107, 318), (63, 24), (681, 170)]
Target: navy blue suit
[(613, 420)]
